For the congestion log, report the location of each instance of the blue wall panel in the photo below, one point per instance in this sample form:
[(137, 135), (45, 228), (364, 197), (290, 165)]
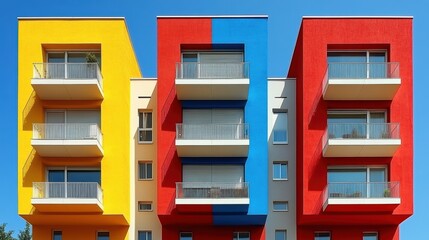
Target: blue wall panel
[(252, 33)]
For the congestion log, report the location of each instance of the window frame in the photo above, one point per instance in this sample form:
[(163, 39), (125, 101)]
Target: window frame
[(140, 203), (180, 235), (238, 235), (370, 232), (281, 210), (286, 163), (145, 163), (279, 111), (146, 232), (141, 118), (322, 232), (280, 230)]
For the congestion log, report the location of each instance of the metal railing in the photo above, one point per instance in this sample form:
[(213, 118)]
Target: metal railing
[(67, 71), (67, 131), (212, 131), (373, 70), (88, 190), (362, 190), (212, 190), (363, 131), (212, 70)]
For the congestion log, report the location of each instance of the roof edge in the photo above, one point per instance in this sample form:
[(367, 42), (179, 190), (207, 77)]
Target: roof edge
[(71, 18), (336, 17), (213, 16)]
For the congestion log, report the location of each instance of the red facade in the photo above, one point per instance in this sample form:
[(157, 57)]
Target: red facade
[(317, 36)]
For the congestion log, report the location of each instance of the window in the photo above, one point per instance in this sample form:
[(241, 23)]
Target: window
[(280, 170), (212, 65), (280, 129), (145, 127), (73, 182), (280, 235), (359, 182), (357, 64), (280, 206), (322, 236), (185, 236), (144, 235), (370, 236), (57, 235), (360, 125), (103, 236), (78, 65), (145, 206), (145, 170), (241, 236)]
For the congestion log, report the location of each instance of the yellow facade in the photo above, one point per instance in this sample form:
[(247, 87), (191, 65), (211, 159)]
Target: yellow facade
[(36, 37)]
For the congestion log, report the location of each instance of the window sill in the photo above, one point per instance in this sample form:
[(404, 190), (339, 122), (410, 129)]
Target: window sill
[(280, 143), (280, 179)]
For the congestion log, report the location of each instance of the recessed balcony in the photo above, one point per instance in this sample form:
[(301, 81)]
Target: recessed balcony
[(361, 81), (366, 196), (73, 197), (361, 140), (67, 140), (212, 81), (231, 197), (67, 81), (212, 140)]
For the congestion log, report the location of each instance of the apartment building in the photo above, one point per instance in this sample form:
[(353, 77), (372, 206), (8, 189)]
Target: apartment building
[(74, 127), (354, 127), (213, 148)]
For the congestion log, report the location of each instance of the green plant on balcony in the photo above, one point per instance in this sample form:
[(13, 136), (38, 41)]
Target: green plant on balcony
[(91, 58), (387, 193)]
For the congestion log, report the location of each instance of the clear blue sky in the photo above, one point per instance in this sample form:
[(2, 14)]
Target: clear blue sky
[(284, 21)]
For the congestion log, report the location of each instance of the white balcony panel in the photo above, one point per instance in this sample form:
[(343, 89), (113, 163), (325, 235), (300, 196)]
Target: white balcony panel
[(212, 148), (65, 89), (67, 148), (67, 81), (361, 147), (212, 89), (361, 89), (213, 201)]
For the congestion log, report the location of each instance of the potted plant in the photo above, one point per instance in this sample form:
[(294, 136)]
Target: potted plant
[(92, 66), (387, 193)]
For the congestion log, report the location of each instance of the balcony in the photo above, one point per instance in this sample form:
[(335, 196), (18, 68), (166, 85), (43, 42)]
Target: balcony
[(67, 81), (67, 140), (212, 81), (361, 81), (73, 197), (229, 197), (361, 140), (212, 140), (366, 196)]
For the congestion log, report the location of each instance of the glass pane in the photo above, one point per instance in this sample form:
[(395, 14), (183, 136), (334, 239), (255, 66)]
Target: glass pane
[(276, 171), (377, 175), (244, 236), (378, 188), (344, 125), (347, 64), (346, 175), (149, 170), (148, 120), (56, 176), (370, 236), (56, 67), (103, 236), (280, 206), (322, 236), (378, 128), (185, 236), (76, 57), (190, 66), (377, 66), (283, 170), (84, 176), (57, 235), (280, 127), (280, 235), (142, 171)]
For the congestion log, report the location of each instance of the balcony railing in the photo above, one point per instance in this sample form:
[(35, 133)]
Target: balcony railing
[(362, 190), (67, 190), (375, 70), (212, 131), (212, 70), (363, 131), (207, 190), (70, 71), (66, 131)]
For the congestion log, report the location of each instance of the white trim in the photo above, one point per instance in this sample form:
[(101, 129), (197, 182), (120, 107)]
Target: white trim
[(363, 142), (209, 81), (369, 17), (212, 201), (70, 18), (361, 201), (365, 81), (213, 16), (197, 142)]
